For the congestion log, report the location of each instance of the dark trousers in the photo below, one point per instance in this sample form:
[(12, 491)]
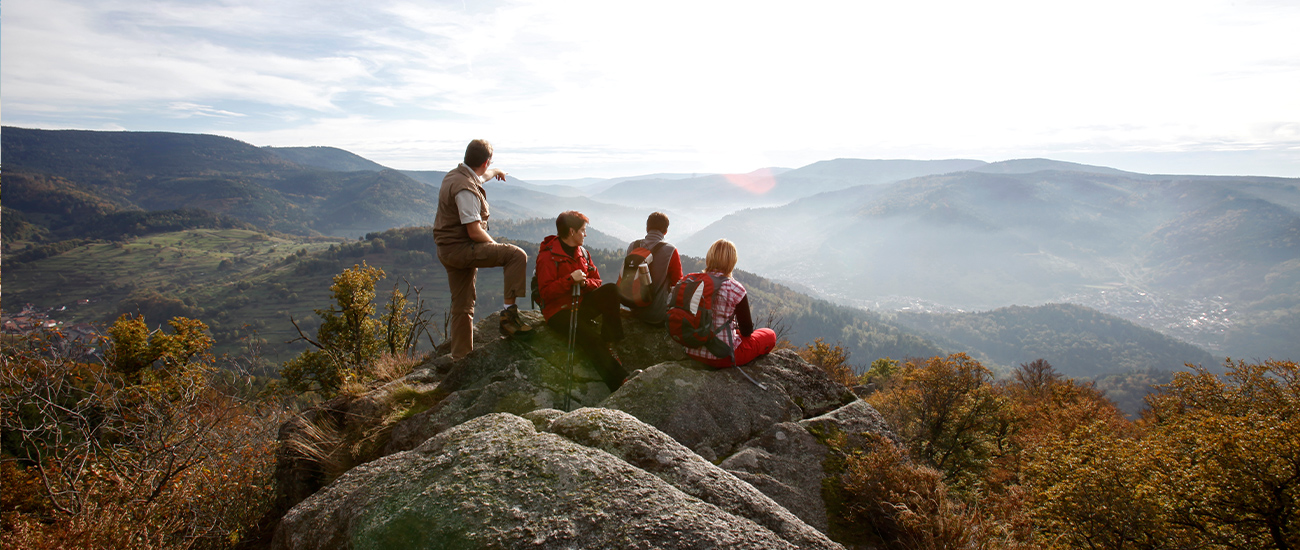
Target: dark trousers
[(602, 302)]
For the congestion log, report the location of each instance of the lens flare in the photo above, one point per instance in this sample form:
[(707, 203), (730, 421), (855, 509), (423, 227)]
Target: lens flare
[(757, 182)]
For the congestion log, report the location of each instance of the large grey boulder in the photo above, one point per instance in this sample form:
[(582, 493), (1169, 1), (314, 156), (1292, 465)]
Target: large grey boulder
[(712, 412), (518, 375), (655, 478), (496, 482), (543, 357), (651, 450), (787, 462)]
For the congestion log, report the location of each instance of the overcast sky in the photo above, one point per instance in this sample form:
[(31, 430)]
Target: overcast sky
[(606, 88)]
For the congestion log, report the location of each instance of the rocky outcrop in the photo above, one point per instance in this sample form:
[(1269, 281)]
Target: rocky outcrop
[(787, 461), (496, 482), (521, 375), (713, 412), (482, 457), (500, 375)]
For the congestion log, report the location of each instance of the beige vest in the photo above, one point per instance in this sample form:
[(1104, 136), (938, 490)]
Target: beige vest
[(447, 229)]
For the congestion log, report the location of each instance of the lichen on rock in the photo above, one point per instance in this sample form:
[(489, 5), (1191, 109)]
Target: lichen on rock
[(496, 482)]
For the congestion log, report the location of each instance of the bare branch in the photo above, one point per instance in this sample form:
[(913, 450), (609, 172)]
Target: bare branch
[(301, 335)]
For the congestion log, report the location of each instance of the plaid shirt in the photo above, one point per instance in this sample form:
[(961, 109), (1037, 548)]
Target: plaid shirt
[(730, 295)]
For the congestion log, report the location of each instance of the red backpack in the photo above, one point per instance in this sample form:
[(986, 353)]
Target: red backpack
[(634, 283), (691, 311)]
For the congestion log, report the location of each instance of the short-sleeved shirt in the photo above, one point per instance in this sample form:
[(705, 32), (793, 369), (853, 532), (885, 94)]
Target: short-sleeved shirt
[(467, 206)]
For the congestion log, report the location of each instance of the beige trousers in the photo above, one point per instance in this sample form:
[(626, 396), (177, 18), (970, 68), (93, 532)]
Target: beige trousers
[(462, 263)]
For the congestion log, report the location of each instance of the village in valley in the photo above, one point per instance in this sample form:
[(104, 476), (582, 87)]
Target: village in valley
[(31, 319)]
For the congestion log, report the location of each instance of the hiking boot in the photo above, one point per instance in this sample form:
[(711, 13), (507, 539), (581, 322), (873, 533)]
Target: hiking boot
[(634, 374), (512, 324)]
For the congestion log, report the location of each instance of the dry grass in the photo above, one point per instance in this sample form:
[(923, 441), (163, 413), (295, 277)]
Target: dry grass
[(336, 448), (320, 442), (389, 367)]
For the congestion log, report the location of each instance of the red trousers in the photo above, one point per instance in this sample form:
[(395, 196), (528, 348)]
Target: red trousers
[(750, 348)]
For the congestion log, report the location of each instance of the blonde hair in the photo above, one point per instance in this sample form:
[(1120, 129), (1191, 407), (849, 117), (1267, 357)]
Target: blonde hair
[(721, 257)]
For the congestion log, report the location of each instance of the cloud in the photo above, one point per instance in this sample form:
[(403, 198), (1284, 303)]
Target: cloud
[(709, 85), (184, 110), (65, 55)]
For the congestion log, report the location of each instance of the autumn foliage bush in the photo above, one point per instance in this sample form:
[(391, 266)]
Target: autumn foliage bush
[(1214, 463), (833, 359), (1040, 460), (138, 450), (888, 501)]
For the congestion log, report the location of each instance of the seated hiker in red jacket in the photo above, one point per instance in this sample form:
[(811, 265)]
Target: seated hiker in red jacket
[(746, 343), (563, 263)]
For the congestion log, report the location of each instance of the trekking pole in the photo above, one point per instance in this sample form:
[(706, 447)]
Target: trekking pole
[(742, 371), (573, 339)]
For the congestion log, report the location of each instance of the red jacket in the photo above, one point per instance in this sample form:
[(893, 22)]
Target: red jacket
[(553, 281)]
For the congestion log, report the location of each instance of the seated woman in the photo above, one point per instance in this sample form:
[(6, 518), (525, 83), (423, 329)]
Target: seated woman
[(563, 263), (746, 343)]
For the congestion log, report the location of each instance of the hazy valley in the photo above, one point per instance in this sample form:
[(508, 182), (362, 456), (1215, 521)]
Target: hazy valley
[(1211, 261)]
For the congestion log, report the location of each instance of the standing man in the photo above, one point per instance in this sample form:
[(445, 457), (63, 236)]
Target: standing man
[(460, 231)]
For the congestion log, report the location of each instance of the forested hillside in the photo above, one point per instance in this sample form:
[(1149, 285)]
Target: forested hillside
[(63, 175), (327, 158), (1080, 342), (536, 229)]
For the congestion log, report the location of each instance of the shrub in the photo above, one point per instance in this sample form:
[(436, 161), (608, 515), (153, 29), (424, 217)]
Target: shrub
[(890, 502), (833, 359), (1213, 465), (350, 338), (145, 457), (948, 413)]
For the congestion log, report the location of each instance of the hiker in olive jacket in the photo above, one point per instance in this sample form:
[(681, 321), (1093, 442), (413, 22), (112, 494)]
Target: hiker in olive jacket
[(563, 263), (460, 231)]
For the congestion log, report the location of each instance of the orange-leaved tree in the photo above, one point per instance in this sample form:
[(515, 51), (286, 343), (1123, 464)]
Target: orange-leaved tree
[(1215, 463), (831, 358), (140, 450)]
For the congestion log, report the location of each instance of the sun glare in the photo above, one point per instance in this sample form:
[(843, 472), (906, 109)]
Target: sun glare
[(757, 182)]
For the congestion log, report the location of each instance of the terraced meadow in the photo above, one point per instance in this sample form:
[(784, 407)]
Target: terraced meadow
[(242, 283)]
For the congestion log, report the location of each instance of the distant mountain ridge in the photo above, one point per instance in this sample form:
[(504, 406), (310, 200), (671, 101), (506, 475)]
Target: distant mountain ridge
[(1141, 246), (1029, 166), (293, 190), (327, 158)]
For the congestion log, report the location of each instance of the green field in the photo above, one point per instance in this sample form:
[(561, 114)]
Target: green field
[(263, 281)]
